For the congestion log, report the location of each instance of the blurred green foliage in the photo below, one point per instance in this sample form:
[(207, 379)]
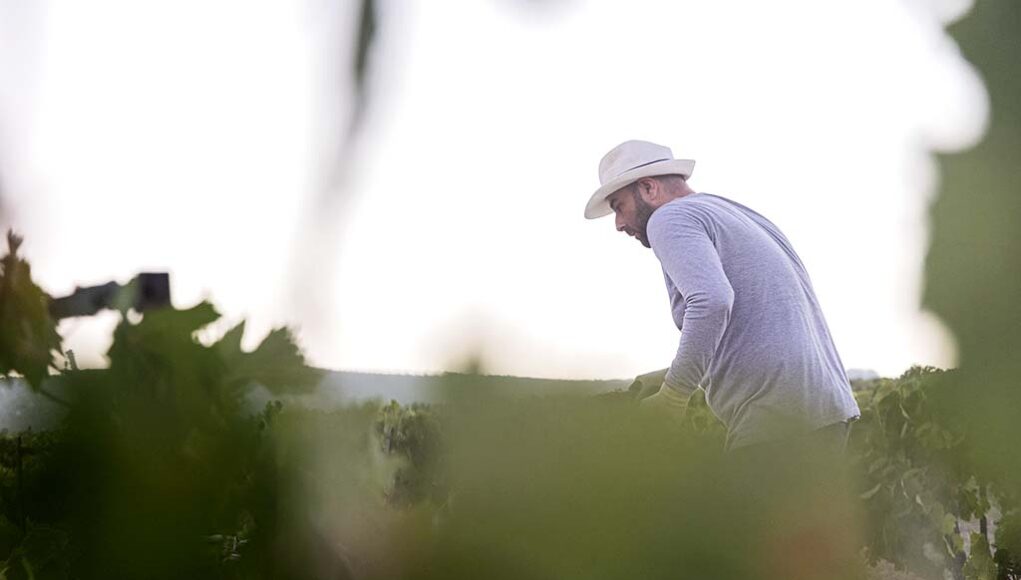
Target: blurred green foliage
[(1008, 546), (917, 489), (594, 487), (414, 433), (161, 469), (919, 481), (156, 453), (973, 268), (28, 337)]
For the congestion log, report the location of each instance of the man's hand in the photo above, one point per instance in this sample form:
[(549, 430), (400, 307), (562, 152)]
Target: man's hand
[(667, 402), (647, 384)]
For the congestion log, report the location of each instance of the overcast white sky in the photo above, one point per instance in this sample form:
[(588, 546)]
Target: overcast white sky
[(195, 137)]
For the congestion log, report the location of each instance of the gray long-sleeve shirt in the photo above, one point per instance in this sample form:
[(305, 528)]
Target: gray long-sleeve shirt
[(752, 333)]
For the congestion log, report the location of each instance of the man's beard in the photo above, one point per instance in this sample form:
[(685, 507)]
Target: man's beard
[(643, 211)]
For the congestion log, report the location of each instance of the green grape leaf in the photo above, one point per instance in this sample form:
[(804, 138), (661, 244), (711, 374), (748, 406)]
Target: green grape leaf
[(277, 363), (949, 521), (28, 335), (229, 346), (161, 337)]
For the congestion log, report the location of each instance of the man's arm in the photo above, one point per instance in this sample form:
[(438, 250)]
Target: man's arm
[(647, 384), (682, 243)]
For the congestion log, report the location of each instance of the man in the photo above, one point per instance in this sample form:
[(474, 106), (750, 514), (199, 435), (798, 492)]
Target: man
[(752, 333)]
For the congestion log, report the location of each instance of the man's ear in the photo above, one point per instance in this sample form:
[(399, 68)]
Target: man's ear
[(648, 188)]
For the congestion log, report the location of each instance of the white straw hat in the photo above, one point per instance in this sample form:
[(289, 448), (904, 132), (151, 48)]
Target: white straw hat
[(627, 163)]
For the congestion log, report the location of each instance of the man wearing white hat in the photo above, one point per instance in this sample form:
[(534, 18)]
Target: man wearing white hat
[(752, 333)]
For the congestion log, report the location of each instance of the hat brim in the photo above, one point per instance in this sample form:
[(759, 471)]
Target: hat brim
[(598, 207)]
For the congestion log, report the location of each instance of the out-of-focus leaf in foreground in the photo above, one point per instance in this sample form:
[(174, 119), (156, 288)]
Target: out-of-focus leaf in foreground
[(973, 268), (586, 488), (277, 363), (28, 335), (159, 453)]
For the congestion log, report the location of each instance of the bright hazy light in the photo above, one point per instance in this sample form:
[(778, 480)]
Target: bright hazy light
[(193, 137)]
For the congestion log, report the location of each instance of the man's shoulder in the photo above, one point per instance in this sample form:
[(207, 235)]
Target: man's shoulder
[(684, 208), (693, 201)]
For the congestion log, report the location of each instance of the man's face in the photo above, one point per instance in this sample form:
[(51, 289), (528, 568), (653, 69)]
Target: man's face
[(632, 213)]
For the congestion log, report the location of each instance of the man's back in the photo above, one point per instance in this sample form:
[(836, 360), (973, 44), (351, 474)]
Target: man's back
[(752, 331)]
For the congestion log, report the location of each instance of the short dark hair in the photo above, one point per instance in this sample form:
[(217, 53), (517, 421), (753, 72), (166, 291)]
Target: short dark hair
[(670, 181)]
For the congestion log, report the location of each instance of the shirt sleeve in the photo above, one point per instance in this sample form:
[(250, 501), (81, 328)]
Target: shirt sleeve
[(681, 241), (676, 301)]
